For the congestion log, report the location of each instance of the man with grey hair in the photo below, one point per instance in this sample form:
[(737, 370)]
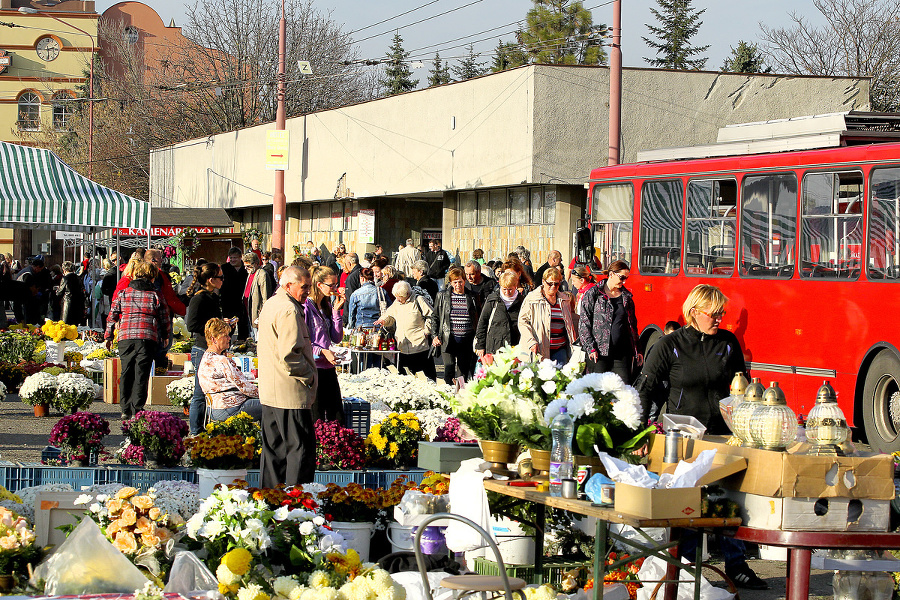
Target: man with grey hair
[(554, 260), (407, 257), (418, 276), (478, 284), (287, 384), (352, 284)]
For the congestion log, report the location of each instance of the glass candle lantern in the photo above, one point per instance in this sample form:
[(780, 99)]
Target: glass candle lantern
[(826, 426), (774, 425), (740, 418), (735, 398)]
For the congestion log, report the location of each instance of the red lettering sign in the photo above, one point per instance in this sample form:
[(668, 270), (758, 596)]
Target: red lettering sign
[(158, 231)]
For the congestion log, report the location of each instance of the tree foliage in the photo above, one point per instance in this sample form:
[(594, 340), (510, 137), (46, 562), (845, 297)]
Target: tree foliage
[(746, 58), (469, 67), (397, 74), (508, 55), (219, 78), (859, 38), (439, 73), (678, 23)]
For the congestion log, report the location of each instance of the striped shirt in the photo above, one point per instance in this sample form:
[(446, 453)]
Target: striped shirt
[(460, 323), (558, 337)]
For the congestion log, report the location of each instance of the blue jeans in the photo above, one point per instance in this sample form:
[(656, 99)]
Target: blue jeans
[(733, 550), (251, 406), (561, 356), (198, 400)]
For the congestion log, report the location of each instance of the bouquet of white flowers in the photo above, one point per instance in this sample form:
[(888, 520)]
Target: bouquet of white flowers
[(39, 388), (180, 392), (402, 393), (74, 392)]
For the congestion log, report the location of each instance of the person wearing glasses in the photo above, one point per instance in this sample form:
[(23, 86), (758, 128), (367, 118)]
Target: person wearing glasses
[(205, 304), (607, 326), (288, 380), (230, 392), (545, 320), (323, 319), (699, 361)]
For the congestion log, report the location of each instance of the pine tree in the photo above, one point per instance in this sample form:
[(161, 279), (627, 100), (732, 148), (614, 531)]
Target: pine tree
[(439, 73), (397, 74), (746, 58), (562, 32), (678, 23), (469, 66), (507, 56)]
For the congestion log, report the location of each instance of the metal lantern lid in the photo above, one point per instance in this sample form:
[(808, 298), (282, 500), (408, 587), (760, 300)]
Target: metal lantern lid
[(826, 394), (754, 391), (774, 396), (738, 384)]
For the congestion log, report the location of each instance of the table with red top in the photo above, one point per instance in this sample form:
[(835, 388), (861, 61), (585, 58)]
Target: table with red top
[(800, 545)]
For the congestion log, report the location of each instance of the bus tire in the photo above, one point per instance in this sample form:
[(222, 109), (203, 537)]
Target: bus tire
[(881, 402)]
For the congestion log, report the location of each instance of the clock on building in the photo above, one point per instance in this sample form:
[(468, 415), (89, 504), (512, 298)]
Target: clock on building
[(47, 48)]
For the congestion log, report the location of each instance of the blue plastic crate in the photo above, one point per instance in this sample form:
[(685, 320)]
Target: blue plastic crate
[(357, 415), (7, 469), (37, 474), (386, 478), (17, 477), (340, 477), (253, 477), (144, 479)]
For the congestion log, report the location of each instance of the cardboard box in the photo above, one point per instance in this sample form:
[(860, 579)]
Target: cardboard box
[(812, 514), (157, 391), (444, 457), (112, 371), (178, 359), (675, 503), (794, 475)]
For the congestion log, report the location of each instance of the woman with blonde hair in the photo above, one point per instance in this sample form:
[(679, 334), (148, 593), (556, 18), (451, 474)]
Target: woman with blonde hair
[(545, 320), (230, 392)]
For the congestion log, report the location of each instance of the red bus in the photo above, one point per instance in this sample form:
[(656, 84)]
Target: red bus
[(806, 245)]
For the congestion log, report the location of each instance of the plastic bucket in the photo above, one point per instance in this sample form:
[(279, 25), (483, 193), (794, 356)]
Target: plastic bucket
[(209, 479), (516, 547), (356, 535), (400, 537)]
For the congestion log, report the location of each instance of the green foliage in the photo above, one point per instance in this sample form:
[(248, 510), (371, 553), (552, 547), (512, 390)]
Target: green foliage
[(507, 56), (17, 346), (678, 23), (439, 73), (469, 66), (559, 32), (489, 423), (397, 74), (746, 58)]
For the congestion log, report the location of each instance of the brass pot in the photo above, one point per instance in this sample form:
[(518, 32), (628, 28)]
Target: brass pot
[(498, 453), (540, 459), (592, 461)]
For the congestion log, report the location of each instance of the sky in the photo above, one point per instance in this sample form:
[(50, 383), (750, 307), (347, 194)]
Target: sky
[(724, 23)]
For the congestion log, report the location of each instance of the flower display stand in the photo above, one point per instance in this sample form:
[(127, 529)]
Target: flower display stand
[(209, 479), (356, 535)]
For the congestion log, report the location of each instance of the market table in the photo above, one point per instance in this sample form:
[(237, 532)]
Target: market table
[(606, 515), (800, 545)]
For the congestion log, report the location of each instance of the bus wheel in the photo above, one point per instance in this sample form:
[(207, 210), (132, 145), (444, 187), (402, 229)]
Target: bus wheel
[(881, 403)]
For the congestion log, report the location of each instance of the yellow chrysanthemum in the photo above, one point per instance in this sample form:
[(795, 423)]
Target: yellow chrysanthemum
[(238, 561)]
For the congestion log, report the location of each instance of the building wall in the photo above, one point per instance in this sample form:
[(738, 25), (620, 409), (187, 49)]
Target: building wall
[(29, 72)]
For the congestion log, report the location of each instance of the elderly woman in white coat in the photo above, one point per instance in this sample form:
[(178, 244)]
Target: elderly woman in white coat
[(408, 318), (545, 320)]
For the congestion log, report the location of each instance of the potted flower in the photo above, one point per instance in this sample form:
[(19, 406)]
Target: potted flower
[(17, 346), (17, 549), (224, 451), (338, 447), (395, 441), (39, 390), (154, 439), (79, 436), (352, 510), (180, 392), (74, 392), (12, 375)]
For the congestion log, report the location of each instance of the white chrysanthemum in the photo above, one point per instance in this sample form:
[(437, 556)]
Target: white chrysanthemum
[(2, 391), (83, 499), (526, 373), (553, 409), (581, 405), (547, 369), (549, 387), (225, 576), (281, 513), (318, 520), (381, 580), (318, 579), (284, 586), (628, 394), (395, 592), (250, 592), (194, 525), (628, 413), (297, 592), (307, 528)]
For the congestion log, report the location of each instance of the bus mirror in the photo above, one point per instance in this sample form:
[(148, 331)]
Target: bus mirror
[(584, 246)]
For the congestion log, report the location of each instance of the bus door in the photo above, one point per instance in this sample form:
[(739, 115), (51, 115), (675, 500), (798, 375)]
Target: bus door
[(612, 215)]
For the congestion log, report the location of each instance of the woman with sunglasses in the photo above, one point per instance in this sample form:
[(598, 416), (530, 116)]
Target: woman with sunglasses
[(205, 304), (607, 326), (323, 319), (545, 320)]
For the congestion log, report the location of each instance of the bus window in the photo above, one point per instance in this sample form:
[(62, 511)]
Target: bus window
[(612, 214), (661, 211), (884, 225), (711, 227), (768, 225), (831, 228)]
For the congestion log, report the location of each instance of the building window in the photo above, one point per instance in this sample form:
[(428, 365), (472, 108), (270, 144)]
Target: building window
[(612, 212), (661, 209), (549, 205), (465, 209), (831, 232), (768, 226), (537, 205), (62, 111), (518, 206), (711, 227), (483, 213), (498, 207), (29, 112)]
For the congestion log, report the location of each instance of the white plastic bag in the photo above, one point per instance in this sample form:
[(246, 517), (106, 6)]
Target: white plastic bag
[(189, 574), (86, 563), (655, 569), (468, 499)]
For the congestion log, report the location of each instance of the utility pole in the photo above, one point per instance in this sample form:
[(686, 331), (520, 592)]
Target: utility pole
[(615, 85), (279, 202)]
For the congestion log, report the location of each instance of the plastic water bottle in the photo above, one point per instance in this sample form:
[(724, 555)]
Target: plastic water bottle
[(562, 429)]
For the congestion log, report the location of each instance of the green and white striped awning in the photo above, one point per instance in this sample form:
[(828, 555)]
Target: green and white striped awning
[(40, 191)]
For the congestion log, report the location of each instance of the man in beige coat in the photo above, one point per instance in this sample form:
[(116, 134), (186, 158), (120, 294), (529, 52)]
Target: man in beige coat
[(287, 384)]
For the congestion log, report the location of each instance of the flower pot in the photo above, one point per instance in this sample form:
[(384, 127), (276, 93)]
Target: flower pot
[(592, 461), (210, 479), (78, 463), (7, 582), (42, 410), (151, 460), (187, 411), (401, 538), (356, 535), (498, 453), (540, 460)]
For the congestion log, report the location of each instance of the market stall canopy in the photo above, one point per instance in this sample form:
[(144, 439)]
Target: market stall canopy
[(40, 191), (191, 217)]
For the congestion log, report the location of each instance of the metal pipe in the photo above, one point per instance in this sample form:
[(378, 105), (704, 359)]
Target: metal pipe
[(615, 85), (279, 202)]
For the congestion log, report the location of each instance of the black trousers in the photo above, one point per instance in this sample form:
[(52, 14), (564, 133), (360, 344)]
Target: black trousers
[(418, 362), (137, 358), (288, 447), (458, 354), (329, 404)]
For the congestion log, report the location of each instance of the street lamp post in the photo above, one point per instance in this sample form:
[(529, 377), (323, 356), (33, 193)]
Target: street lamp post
[(279, 202), (33, 11)]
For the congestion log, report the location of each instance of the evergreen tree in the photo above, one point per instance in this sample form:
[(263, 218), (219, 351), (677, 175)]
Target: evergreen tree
[(678, 23), (469, 66), (439, 73), (746, 58), (397, 74), (507, 56), (562, 32)]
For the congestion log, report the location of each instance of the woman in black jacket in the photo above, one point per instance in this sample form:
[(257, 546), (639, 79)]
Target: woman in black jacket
[(205, 304), (453, 326), (71, 293), (497, 325)]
